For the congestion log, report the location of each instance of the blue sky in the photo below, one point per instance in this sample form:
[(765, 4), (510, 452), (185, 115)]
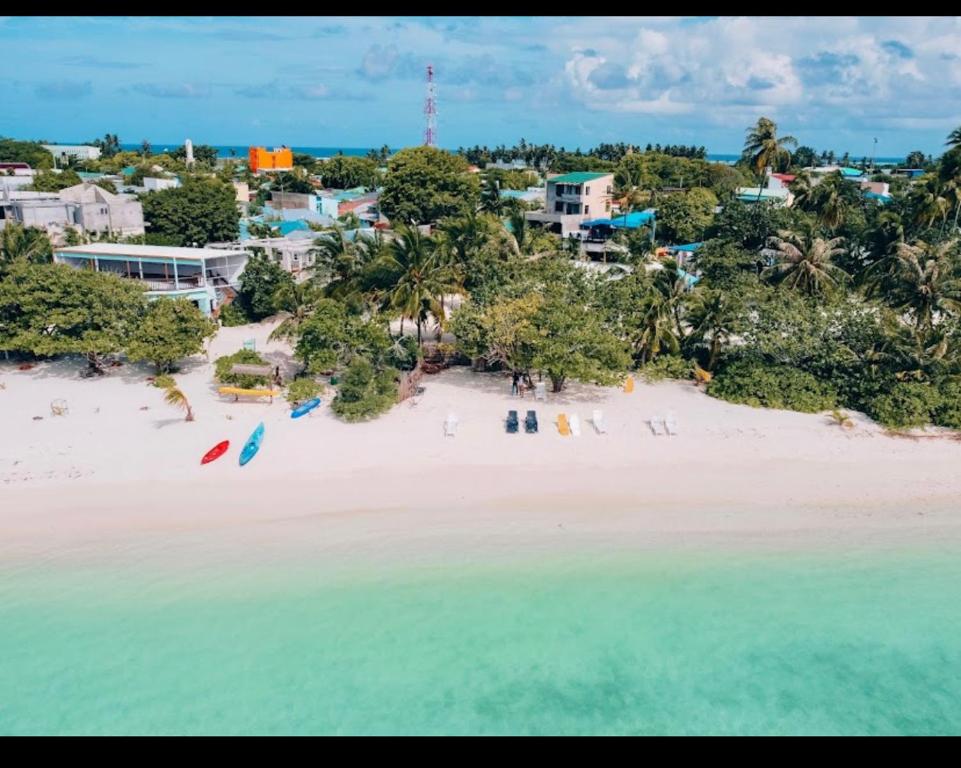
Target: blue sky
[(358, 81)]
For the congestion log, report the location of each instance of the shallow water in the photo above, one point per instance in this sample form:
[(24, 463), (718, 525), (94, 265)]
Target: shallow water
[(672, 643)]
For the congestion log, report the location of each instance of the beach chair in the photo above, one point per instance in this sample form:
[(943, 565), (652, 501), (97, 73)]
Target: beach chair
[(59, 408), (563, 426), (670, 424), (597, 419), (575, 425), (530, 423), (657, 426), (629, 385), (450, 425), (540, 391), (512, 422)]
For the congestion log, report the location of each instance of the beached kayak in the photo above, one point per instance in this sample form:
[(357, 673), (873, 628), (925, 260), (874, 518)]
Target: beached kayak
[(305, 408), (216, 452), (252, 445)]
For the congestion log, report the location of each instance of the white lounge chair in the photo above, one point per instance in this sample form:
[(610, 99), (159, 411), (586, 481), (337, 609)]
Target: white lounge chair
[(597, 419), (657, 426), (670, 424), (575, 422), (450, 425)]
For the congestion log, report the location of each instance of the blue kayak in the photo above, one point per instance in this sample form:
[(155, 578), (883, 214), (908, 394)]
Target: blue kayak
[(252, 445), (305, 408)]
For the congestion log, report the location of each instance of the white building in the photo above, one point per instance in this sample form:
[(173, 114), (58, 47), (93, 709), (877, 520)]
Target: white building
[(155, 184), (205, 276), (573, 198), (63, 153)]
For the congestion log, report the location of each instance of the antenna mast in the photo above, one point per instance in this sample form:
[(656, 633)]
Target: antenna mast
[(430, 110)]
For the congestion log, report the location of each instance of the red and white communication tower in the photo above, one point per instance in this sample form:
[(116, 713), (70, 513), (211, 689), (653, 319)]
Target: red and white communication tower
[(430, 110)]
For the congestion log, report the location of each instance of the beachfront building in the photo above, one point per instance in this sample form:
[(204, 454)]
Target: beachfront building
[(573, 198), (206, 276), (778, 195), (156, 183), (259, 159), (84, 207), (64, 153)]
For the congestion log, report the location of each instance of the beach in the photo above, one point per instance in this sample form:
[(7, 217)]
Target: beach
[(730, 471)]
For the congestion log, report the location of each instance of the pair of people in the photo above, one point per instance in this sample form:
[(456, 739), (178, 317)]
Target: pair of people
[(517, 384)]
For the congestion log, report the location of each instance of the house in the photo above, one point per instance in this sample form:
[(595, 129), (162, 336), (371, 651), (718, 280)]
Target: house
[(513, 165), (84, 207), (778, 195), (64, 153), (572, 198), (206, 276), (259, 159)]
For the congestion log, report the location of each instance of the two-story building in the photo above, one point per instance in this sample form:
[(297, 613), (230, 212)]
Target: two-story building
[(573, 198), (206, 276)]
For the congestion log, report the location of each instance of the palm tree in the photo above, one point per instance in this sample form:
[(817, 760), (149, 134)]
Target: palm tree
[(19, 243), (929, 202), (335, 261), (298, 301), (926, 281), (765, 149), (827, 199), (491, 201), (657, 331), (712, 315), (803, 190), (174, 396), (420, 280), (954, 138), (804, 262)]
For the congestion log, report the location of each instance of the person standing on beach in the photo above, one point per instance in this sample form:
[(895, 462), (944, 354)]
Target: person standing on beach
[(514, 379)]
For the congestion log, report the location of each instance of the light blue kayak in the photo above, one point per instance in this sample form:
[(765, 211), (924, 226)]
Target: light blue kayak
[(305, 408), (252, 445)]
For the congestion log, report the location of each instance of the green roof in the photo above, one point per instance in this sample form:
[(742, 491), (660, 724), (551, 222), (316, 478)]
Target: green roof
[(576, 178)]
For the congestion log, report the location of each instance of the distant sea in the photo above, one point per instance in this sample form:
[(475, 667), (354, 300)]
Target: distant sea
[(240, 151)]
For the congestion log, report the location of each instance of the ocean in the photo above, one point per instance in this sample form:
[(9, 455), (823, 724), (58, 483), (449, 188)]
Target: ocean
[(241, 152), (645, 643)]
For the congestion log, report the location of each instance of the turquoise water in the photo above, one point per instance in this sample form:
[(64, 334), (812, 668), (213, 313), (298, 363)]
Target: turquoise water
[(682, 643)]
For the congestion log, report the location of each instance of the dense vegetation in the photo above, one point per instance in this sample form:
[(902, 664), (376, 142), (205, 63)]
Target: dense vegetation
[(200, 211)]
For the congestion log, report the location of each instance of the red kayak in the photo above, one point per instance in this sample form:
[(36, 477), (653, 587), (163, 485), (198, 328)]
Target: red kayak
[(216, 452)]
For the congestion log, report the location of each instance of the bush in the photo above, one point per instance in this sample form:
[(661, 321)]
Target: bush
[(233, 314), (907, 404), (223, 365), (164, 382), (948, 411), (303, 389), (666, 367), (771, 386), (364, 391)]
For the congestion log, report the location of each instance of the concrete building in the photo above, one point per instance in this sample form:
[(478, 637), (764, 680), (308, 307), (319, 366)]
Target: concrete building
[(259, 159), (84, 207), (573, 198), (208, 277), (155, 183), (63, 153), (777, 195)]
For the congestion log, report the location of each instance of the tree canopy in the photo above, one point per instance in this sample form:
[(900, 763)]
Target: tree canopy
[(201, 210), (425, 184)]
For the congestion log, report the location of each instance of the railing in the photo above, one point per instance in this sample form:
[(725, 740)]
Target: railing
[(169, 285)]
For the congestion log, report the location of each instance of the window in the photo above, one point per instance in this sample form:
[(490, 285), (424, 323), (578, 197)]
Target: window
[(607, 205), (610, 189), (558, 207), (587, 190), (587, 209)]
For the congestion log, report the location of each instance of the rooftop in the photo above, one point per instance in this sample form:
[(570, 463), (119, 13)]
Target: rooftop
[(578, 177), (147, 251)]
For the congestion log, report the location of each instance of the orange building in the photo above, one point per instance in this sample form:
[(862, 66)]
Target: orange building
[(259, 159)]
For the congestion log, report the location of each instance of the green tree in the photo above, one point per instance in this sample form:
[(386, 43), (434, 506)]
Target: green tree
[(420, 278), (954, 138), (341, 172), (204, 154), (200, 211), (297, 302), (924, 281), (365, 391), (109, 145), (170, 330), (53, 309), (30, 152), (51, 181), (19, 244), (804, 157), (260, 285), (714, 319), (685, 218), (424, 184)]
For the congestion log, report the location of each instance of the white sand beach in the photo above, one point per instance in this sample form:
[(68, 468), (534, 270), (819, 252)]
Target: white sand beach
[(122, 463)]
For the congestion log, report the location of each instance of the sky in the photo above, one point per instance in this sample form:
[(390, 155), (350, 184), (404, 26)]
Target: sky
[(832, 82)]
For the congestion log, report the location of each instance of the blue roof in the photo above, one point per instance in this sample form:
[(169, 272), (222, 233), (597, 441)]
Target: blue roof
[(632, 220), (689, 279), (689, 247), (595, 223), (876, 196), (851, 172)]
